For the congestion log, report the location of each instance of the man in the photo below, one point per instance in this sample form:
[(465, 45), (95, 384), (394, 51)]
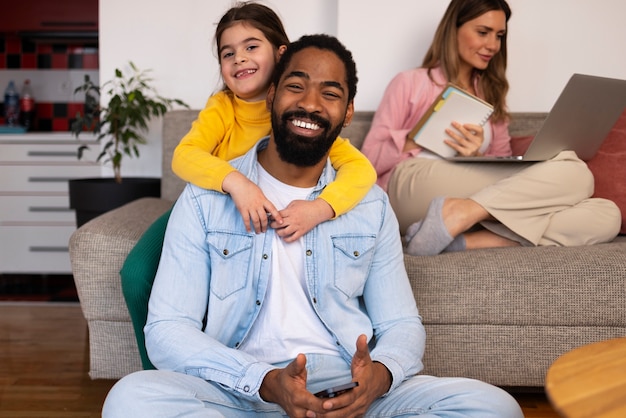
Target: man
[(244, 324)]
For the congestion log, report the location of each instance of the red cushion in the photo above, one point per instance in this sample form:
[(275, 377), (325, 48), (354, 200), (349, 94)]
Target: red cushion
[(519, 144), (609, 168)]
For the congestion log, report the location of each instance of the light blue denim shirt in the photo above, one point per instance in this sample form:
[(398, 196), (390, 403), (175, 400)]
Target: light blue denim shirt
[(210, 266)]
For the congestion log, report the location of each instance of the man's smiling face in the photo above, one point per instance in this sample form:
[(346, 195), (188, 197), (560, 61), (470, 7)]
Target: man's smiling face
[(309, 106)]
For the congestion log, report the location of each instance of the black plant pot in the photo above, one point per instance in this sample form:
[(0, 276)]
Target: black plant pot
[(92, 197)]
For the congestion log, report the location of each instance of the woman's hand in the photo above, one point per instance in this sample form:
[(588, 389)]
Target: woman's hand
[(409, 144), (467, 138)]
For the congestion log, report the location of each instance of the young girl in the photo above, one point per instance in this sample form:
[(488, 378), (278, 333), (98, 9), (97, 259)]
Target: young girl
[(250, 39)]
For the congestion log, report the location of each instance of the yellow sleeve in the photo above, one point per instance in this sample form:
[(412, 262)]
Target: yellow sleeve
[(355, 177), (196, 158)]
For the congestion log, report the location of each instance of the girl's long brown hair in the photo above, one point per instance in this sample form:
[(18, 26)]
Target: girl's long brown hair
[(256, 15)]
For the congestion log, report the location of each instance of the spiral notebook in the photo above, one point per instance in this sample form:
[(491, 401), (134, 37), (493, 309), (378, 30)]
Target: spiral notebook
[(453, 104)]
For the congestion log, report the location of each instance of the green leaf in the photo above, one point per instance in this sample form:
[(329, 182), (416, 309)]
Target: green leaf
[(123, 123)]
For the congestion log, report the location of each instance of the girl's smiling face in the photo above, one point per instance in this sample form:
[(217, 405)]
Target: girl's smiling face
[(247, 60), (480, 39)]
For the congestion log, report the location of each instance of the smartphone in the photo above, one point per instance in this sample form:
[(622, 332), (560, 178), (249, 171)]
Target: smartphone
[(336, 390)]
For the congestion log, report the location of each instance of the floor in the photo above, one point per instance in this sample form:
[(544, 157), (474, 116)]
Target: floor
[(44, 361)]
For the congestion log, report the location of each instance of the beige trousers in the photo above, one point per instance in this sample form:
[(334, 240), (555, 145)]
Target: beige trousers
[(545, 203)]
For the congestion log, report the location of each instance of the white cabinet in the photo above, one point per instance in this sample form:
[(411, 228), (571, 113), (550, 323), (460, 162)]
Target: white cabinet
[(35, 219)]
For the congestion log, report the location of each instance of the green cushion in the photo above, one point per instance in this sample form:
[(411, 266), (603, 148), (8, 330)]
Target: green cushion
[(137, 276)]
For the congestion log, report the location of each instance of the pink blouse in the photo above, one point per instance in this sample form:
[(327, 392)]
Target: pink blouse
[(405, 100)]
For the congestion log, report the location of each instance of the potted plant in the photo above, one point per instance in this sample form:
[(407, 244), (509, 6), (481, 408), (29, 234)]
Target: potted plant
[(120, 127)]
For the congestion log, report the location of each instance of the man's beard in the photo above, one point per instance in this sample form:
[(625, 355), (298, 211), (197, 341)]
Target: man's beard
[(302, 151)]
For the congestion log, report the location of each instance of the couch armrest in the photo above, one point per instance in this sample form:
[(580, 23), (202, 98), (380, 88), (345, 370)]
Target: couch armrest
[(98, 250)]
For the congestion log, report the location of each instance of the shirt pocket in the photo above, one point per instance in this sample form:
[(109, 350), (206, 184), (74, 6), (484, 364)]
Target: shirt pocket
[(230, 257), (353, 256)]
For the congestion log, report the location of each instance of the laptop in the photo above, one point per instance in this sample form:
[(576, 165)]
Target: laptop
[(580, 120)]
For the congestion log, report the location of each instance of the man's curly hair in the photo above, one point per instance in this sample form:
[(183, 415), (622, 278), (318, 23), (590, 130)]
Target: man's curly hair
[(324, 42)]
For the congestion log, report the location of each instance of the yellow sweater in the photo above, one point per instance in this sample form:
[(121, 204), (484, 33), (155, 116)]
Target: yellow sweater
[(228, 127)]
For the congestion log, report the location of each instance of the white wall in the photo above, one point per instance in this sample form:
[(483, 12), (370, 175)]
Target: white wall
[(548, 41), (174, 38)]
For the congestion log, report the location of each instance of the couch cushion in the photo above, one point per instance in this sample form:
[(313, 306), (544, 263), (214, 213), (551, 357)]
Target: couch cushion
[(609, 168), (176, 124), (358, 128)]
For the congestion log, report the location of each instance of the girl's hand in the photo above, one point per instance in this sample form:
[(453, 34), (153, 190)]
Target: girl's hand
[(467, 138), (300, 216), (254, 207)]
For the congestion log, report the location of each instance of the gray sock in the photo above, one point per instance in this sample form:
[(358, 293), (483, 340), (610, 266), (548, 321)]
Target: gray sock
[(411, 231), (458, 244), (430, 237)]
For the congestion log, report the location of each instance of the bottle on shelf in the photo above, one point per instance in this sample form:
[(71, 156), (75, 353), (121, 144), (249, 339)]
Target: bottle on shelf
[(11, 105), (27, 106)]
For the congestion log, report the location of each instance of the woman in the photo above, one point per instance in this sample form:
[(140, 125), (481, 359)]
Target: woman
[(451, 206)]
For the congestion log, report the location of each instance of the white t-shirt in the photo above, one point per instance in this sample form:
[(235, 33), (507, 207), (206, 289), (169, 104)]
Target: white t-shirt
[(287, 324)]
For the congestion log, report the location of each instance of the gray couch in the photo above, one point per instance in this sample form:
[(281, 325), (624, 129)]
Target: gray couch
[(499, 315)]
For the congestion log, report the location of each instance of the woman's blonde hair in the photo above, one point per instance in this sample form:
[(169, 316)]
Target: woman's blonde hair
[(444, 51)]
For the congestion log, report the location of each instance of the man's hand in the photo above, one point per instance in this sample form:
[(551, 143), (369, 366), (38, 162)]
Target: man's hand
[(374, 381), (300, 216), (373, 377), (251, 202), (287, 388)]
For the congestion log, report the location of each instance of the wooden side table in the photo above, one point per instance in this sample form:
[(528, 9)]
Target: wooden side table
[(590, 381)]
